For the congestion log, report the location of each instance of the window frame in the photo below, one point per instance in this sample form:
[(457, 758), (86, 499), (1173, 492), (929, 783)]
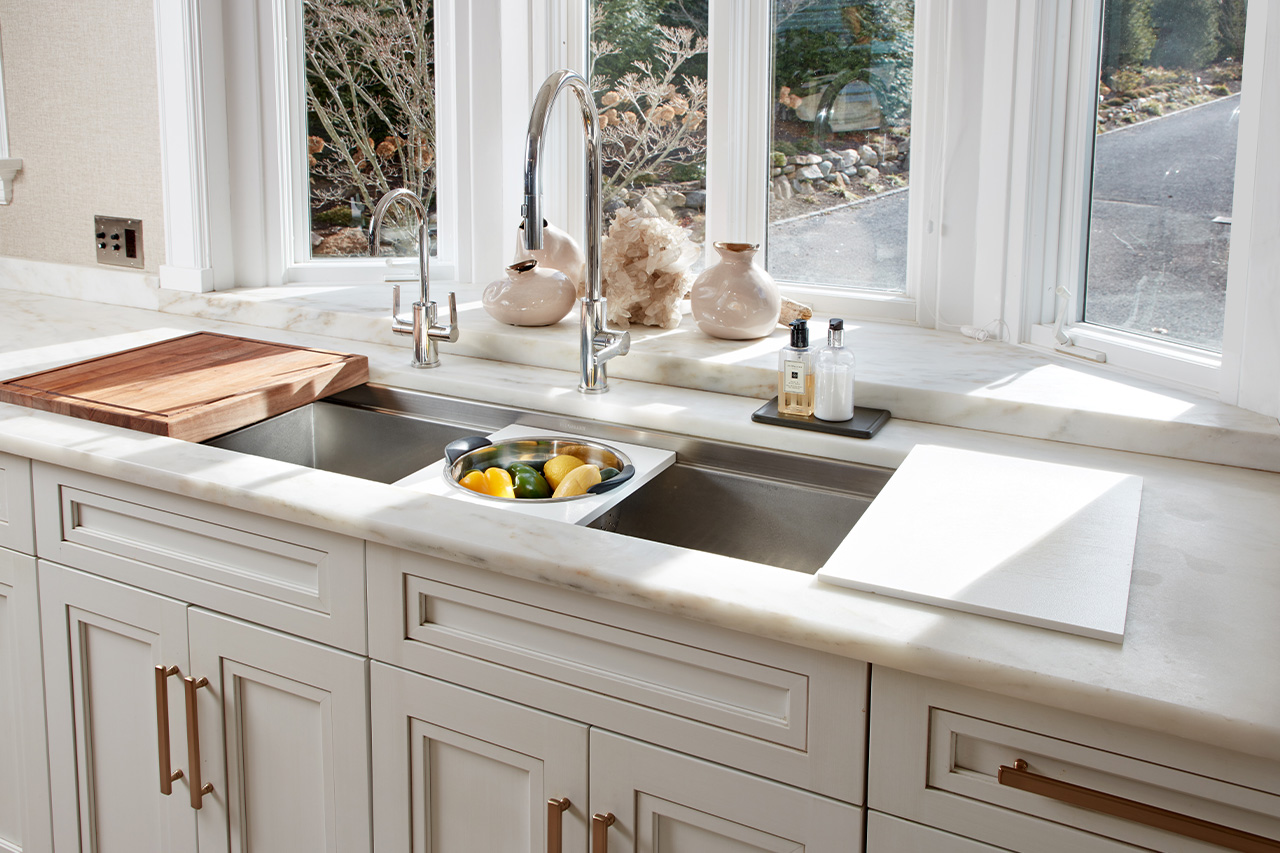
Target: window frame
[(995, 208), (1063, 122)]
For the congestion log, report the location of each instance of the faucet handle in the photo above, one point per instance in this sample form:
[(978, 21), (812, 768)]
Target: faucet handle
[(400, 324), (449, 331)]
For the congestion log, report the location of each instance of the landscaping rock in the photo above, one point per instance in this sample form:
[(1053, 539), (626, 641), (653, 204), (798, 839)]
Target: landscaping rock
[(809, 173), (697, 199), (825, 168), (868, 156)]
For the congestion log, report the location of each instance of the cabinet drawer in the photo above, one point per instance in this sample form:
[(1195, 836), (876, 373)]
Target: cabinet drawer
[(16, 529), (938, 751), (729, 697), (299, 579), (886, 834)]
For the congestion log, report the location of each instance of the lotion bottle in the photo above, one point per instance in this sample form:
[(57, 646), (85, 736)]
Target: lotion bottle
[(795, 373), (833, 400)]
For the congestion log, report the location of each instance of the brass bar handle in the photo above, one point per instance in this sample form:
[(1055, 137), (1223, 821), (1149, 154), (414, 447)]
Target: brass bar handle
[(1018, 776), (198, 788), (556, 806), (167, 774), (600, 824)]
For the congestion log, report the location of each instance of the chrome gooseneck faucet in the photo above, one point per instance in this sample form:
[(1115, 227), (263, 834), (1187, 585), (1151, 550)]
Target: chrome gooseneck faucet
[(599, 343), (422, 321)]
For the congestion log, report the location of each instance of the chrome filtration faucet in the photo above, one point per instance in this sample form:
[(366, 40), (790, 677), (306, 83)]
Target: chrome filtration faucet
[(599, 343), (422, 323)]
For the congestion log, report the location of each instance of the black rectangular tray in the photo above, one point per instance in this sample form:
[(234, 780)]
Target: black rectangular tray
[(864, 424)]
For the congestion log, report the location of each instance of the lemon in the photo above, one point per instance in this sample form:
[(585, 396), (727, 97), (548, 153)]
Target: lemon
[(557, 467), (577, 481)]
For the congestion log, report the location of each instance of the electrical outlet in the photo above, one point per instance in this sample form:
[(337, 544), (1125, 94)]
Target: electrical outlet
[(118, 241)]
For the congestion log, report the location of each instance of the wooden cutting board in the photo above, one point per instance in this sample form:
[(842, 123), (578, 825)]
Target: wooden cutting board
[(193, 387)]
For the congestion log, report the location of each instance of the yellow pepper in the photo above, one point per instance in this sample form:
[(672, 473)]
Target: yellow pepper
[(474, 480), (493, 481), (499, 484)]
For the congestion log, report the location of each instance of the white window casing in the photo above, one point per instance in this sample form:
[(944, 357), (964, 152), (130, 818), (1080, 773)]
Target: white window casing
[(1003, 106)]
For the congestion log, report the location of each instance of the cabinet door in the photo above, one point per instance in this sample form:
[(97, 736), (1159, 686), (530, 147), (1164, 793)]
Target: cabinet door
[(665, 802), (102, 643), (24, 770), (284, 741), (455, 771)]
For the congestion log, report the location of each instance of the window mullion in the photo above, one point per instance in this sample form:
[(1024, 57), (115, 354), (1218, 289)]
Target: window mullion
[(738, 104)]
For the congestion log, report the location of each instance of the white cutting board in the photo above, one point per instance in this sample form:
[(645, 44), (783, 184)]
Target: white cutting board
[(649, 462), (1033, 542)]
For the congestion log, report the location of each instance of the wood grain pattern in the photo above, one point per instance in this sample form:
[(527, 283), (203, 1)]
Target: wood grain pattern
[(192, 387)]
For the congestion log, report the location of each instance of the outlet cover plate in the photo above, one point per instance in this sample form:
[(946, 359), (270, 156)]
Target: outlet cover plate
[(118, 241)]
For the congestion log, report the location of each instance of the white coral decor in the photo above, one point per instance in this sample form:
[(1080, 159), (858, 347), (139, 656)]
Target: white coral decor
[(644, 265)]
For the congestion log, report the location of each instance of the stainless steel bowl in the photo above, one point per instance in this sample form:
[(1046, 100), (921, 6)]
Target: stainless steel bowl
[(478, 453)]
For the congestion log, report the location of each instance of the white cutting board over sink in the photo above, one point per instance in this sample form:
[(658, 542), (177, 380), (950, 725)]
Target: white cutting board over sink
[(1034, 542)]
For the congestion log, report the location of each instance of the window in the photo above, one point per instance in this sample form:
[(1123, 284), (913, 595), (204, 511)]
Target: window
[(369, 85), (839, 161), (724, 179), (1144, 268)]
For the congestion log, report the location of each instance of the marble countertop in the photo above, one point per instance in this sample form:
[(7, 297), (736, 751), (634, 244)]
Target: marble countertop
[(918, 374), (1198, 656)]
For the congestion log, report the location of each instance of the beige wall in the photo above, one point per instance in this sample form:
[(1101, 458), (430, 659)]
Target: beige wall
[(83, 113)]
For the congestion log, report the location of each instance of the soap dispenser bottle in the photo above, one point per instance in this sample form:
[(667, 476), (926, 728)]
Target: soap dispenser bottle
[(833, 400), (795, 373)]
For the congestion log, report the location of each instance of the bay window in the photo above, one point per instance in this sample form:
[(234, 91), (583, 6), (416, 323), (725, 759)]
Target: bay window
[(949, 151)]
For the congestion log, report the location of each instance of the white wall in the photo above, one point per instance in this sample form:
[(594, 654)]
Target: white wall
[(80, 86)]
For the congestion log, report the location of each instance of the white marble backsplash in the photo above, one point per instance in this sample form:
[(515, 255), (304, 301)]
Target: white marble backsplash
[(918, 374)]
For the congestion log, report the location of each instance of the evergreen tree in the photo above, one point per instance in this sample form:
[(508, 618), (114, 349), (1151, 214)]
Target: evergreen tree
[(1187, 33), (1128, 34)]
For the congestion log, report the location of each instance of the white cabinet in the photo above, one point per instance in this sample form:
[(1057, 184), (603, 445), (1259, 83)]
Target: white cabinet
[(458, 771), (1035, 779), (282, 727), (24, 771), (16, 529), (644, 798), (487, 774), (771, 709), (887, 834)]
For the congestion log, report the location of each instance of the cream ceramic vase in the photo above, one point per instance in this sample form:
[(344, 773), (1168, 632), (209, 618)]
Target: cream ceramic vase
[(530, 295), (559, 252), (736, 299)]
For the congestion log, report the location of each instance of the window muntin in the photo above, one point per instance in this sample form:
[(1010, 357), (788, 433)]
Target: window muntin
[(1163, 173)]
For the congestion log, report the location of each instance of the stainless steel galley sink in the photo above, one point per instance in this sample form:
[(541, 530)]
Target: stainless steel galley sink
[(766, 506)]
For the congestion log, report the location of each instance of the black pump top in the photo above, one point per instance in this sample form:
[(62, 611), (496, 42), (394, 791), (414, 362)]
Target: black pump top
[(837, 325), (799, 334)]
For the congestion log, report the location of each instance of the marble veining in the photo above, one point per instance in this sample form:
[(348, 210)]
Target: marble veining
[(1197, 657), (918, 374)]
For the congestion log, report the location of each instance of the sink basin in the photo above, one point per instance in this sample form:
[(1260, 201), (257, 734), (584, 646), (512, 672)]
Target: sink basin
[(794, 523), (780, 509), (345, 439)]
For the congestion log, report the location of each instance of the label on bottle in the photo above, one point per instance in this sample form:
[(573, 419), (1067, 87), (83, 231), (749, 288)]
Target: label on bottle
[(793, 377)]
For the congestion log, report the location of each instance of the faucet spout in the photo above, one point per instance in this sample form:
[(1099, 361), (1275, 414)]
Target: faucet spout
[(598, 343), (421, 322)]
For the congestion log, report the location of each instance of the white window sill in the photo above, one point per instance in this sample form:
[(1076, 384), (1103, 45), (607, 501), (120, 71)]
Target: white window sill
[(917, 374)]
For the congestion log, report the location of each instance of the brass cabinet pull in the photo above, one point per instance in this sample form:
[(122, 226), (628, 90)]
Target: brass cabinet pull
[(167, 774), (600, 824), (1019, 777), (555, 808), (198, 790)]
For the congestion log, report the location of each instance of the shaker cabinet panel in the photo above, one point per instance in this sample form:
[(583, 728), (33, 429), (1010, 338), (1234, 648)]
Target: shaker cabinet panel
[(458, 771), (299, 579), (24, 769), (664, 801), (17, 530), (282, 725), (102, 643)]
